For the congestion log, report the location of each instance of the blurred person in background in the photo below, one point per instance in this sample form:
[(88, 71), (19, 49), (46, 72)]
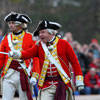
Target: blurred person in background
[(94, 46), (15, 75), (68, 37), (1, 35), (90, 56), (95, 63), (92, 85), (81, 56), (84, 49)]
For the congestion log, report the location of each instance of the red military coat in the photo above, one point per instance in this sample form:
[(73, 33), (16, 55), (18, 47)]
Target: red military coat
[(65, 54), (27, 43)]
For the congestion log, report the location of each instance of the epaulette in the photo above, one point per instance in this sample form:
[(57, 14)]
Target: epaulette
[(4, 36)]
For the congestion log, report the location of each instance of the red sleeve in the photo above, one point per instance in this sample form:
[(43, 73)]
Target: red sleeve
[(2, 56), (72, 58), (30, 53), (36, 65)]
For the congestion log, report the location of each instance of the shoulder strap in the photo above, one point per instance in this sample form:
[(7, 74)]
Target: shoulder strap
[(53, 61), (10, 43)]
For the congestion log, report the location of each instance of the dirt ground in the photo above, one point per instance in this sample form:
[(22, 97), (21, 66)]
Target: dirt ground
[(88, 97)]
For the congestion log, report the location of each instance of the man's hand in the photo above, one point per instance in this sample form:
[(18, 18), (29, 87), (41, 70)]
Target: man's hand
[(16, 54), (33, 81), (81, 87)]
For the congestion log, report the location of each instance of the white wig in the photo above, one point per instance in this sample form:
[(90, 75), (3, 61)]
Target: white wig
[(52, 31)]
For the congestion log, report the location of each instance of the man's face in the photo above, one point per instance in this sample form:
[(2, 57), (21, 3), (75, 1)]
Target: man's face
[(45, 36), (13, 27), (92, 72)]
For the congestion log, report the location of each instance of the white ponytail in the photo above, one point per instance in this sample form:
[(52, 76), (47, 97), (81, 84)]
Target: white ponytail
[(52, 31)]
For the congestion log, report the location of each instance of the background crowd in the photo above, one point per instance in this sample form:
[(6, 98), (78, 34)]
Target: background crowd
[(89, 59)]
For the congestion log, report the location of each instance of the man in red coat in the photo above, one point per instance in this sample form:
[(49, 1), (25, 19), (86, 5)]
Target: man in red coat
[(92, 84), (54, 56), (15, 74)]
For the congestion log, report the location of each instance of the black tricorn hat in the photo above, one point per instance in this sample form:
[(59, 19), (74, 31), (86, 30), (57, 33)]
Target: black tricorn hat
[(13, 16), (46, 25)]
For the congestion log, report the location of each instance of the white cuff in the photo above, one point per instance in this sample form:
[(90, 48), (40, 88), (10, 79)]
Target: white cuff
[(79, 81)]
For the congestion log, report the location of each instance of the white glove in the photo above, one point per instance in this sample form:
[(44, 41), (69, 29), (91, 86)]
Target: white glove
[(79, 83), (16, 54), (33, 81), (81, 87)]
